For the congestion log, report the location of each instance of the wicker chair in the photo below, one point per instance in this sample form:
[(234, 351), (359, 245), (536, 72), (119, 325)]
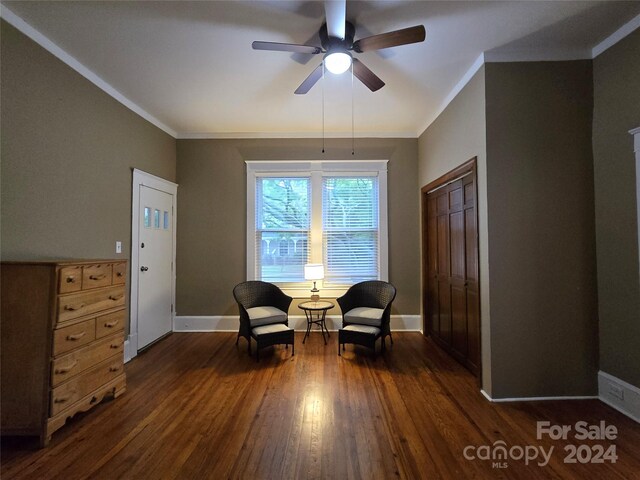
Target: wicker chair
[(262, 304), (366, 314)]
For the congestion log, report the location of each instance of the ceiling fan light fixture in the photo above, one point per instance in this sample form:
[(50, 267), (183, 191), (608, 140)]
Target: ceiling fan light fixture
[(338, 61)]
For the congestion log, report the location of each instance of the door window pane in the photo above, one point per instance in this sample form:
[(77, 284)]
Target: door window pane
[(166, 220), (147, 217), (156, 218)]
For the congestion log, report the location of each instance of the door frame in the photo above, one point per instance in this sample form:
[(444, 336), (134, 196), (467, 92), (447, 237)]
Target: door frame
[(470, 166), (140, 179)]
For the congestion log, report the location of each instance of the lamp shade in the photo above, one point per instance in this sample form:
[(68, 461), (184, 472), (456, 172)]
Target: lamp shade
[(313, 271), (337, 61)]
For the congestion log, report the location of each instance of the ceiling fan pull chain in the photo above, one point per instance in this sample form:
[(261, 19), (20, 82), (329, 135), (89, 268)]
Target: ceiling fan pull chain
[(322, 107), (353, 134)]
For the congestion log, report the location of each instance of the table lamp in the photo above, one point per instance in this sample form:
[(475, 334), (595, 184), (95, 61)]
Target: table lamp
[(314, 271)]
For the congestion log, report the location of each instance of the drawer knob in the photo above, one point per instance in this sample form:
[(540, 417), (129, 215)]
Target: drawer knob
[(114, 368), (93, 400), (115, 298), (71, 280), (114, 346), (73, 308), (118, 274), (111, 324), (60, 399), (97, 277), (68, 368), (76, 336)]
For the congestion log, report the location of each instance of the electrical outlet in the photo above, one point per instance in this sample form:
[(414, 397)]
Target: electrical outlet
[(118, 247), (616, 391)]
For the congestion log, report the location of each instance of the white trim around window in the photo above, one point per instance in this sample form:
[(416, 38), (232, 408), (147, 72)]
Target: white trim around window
[(316, 170)]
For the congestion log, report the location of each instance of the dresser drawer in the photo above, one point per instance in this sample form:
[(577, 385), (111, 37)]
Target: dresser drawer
[(74, 336), (109, 324), (86, 303), (70, 392), (69, 279), (94, 276), (119, 273), (68, 366)]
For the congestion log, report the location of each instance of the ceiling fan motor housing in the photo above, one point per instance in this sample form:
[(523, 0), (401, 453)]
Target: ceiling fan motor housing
[(333, 43)]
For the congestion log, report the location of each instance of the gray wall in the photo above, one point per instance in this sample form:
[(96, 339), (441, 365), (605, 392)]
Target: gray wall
[(458, 134), (68, 150), (616, 79), (541, 229), (529, 124), (211, 256)]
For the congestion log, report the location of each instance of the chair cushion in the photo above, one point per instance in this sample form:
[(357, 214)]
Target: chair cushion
[(366, 329), (364, 316), (265, 315), (266, 329)]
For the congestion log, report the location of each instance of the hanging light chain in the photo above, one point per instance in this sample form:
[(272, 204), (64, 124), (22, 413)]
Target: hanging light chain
[(353, 141), (322, 107)]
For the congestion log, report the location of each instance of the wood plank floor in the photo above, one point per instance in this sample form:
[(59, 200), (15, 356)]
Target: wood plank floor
[(198, 407)]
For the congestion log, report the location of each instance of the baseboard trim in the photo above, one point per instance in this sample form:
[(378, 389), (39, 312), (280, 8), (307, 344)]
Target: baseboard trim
[(537, 399), (229, 323), (619, 395)]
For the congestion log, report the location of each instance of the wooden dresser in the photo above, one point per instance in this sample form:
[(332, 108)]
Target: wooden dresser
[(62, 333)]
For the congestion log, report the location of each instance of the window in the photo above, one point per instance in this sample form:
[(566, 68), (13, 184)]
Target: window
[(282, 228), (350, 229), (328, 212)]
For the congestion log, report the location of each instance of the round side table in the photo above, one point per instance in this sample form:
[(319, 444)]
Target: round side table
[(316, 312)]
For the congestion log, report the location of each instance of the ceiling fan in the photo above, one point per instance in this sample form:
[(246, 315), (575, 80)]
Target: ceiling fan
[(337, 39)]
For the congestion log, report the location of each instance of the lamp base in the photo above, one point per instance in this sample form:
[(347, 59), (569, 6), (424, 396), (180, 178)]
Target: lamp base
[(315, 297)]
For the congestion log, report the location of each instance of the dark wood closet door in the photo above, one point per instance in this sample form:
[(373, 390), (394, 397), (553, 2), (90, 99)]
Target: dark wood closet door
[(450, 245)]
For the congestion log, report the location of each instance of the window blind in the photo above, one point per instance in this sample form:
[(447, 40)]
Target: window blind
[(350, 221), (283, 211)]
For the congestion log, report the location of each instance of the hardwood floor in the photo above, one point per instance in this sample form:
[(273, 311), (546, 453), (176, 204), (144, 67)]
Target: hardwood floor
[(199, 407)]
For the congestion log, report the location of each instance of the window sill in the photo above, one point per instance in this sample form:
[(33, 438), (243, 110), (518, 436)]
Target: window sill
[(305, 293)]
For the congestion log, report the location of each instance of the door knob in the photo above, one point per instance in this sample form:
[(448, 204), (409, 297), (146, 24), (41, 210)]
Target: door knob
[(144, 269)]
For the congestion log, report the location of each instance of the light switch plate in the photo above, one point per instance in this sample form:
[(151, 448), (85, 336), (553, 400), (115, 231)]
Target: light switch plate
[(118, 247)]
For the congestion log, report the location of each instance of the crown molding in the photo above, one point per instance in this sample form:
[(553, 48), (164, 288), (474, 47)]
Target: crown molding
[(616, 36), (518, 56), (46, 43), (529, 55), (259, 135), (533, 56), (479, 62)]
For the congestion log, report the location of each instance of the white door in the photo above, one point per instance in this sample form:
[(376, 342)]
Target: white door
[(155, 252)]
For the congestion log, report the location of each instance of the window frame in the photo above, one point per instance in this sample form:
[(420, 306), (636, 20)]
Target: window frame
[(316, 170)]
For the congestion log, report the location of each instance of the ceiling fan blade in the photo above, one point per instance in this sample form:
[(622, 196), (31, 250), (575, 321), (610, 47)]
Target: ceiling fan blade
[(391, 39), (310, 81), (366, 76), (336, 13), (286, 47)]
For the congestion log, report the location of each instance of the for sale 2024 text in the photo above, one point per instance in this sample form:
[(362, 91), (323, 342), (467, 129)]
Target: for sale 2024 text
[(581, 431)]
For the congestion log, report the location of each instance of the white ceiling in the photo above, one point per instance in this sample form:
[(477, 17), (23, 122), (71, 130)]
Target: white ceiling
[(189, 66)]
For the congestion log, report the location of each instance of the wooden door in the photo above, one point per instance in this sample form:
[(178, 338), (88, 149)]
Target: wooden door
[(450, 265)]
